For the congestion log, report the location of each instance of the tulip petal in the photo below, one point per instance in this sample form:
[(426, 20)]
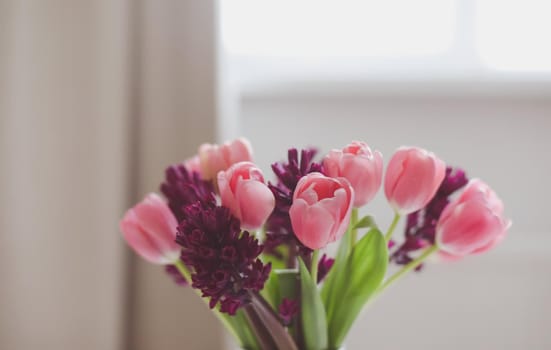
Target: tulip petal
[(472, 223), (321, 207), (215, 158), (332, 163), (311, 224), (337, 207), (256, 203), (421, 175), (310, 195), (226, 195), (477, 188), (138, 240), (307, 182), (500, 237), (243, 191), (240, 151), (155, 218), (394, 171), (360, 166), (471, 226)]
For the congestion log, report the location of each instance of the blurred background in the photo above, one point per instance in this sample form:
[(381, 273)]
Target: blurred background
[(98, 97)]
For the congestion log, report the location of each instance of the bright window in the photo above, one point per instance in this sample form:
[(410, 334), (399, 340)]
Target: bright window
[(514, 35), (301, 39), (337, 28)]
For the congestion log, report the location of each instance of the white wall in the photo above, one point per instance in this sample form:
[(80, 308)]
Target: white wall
[(496, 301)]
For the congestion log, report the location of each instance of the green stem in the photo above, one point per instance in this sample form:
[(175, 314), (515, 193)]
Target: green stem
[(354, 231), (395, 220), (183, 270), (314, 266), (412, 265)]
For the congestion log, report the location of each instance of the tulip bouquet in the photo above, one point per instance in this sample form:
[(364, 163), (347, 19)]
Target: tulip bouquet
[(255, 251)]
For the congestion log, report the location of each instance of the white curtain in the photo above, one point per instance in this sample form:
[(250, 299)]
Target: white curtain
[(96, 98)]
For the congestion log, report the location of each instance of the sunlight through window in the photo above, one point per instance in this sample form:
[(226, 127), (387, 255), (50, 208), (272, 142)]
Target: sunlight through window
[(392, 38), (337, 28), (514, 34)]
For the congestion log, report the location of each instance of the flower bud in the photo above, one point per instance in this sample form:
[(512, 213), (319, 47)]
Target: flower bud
[(150, 229), (412, 177), (193, 164), (244, 192), (360, 166), (214, 158), (320, 212), (472, 223)]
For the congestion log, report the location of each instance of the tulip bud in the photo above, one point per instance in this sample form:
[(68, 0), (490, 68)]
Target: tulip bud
[(193, 164), (244, 192), (150, 229), (412, 177), (320, 212), (215, 158), (472, 223), (360, 166)]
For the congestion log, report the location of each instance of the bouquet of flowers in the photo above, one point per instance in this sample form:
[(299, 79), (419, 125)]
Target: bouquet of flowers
[(254, 251)]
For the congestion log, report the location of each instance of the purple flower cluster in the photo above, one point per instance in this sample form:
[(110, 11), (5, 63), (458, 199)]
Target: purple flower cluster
[(420, 228), (278, 227), (225, 261), (183, 187), (176, 275), (324, 266), (287, 310)]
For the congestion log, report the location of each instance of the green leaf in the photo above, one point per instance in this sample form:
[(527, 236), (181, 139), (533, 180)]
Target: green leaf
[(288, 280), (239, 327), (335, 280), (314, 322), (277, 263), (365, 222), (365, 270), (282, 283), (270, 292)]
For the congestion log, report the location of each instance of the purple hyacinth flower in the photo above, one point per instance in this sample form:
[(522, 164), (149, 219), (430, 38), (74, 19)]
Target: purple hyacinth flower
[(225, 262), (287, 310), (324, 266), (183, 187)]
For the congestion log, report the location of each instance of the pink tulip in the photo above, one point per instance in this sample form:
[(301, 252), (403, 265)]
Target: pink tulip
[(472, 223), (215, 158), (193, 164), (150, 229), (320, 212), (360, 166), (412, 177), (244, 192)]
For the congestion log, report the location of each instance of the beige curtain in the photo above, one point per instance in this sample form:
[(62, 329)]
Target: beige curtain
[(96, 98)]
